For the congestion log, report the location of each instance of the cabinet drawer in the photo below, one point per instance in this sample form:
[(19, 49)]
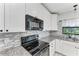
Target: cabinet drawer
[(52, 43), (52, 50)]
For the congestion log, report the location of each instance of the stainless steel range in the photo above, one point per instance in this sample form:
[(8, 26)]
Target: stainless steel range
[(35, 46)]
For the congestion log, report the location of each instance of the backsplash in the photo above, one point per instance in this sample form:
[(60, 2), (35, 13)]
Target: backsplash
[(41, 33), (8, 40)]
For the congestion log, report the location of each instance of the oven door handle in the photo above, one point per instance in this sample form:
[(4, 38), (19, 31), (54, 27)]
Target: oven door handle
[(44, 48)]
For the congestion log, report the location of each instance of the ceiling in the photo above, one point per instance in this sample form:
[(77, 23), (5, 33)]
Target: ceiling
[(60, 7)]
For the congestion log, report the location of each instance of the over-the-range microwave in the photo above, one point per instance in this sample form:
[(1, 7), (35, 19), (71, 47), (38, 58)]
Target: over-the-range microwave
[(33, 23)]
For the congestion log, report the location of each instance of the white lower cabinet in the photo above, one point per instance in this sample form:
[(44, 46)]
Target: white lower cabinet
[(64, 47), (58, 45), (67, 48), (52, 48), (77, 50)]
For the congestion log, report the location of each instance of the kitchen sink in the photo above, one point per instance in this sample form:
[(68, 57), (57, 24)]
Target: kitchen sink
[(72, 39)]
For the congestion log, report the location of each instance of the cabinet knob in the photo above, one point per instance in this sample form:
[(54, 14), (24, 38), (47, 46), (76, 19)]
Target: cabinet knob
[(6, 30), (52, 46), (1, 30)]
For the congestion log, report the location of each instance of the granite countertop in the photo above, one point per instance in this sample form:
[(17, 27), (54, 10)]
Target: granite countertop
[(16, 51), (51, 38), (48, 39)]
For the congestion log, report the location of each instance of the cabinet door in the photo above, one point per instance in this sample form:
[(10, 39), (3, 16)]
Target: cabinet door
[(68, 49), (54, 22), (47, 22), (77, 50), (58, 45), (44, 15), (31, 9), (1, 17), (14, 17), (52, 48)]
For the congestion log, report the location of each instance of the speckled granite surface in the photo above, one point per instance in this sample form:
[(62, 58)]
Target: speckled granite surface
[(20, 51), (51, 38), (16, 51)]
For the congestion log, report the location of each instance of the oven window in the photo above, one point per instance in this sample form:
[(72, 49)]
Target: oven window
[(34, 24)]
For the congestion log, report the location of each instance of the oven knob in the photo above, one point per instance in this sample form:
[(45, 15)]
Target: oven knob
[(37, 35), (1, 30), (6, 30)]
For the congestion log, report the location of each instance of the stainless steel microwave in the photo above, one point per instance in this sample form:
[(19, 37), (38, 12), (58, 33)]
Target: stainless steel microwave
[(33, 23)]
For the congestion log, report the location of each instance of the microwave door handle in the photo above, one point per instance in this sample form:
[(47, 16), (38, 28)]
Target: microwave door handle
[(30, 25)]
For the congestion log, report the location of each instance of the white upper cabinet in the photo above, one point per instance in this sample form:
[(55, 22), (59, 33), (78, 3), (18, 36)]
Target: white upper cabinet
[(47, 22), (45, 16), (54, 22), (31, 9), (35, 9), (1, 17), (14, 17)]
